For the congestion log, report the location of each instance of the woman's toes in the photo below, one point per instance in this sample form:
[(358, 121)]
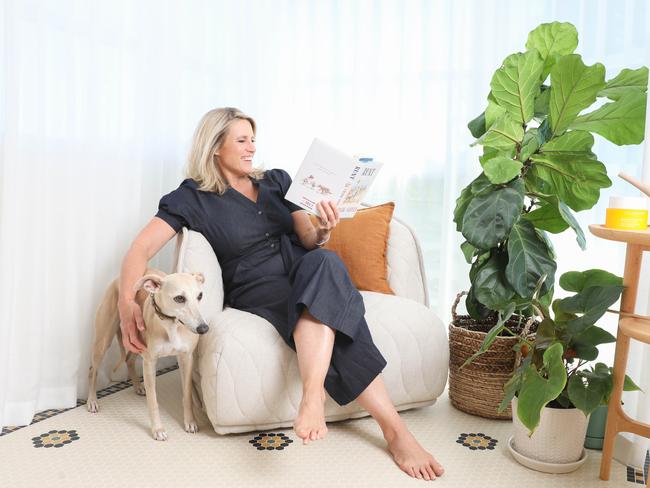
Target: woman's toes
[(432, 474), (437, 468)]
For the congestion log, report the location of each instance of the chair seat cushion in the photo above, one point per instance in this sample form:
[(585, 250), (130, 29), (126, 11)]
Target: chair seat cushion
[(247, 378)]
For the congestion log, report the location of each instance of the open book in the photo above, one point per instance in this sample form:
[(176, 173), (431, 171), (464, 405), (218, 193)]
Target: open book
[(329, 174)]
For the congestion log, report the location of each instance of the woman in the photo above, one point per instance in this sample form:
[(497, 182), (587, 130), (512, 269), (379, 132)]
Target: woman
[(272, 266)]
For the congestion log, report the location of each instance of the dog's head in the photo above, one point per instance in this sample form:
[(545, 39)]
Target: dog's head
[(177, 296)]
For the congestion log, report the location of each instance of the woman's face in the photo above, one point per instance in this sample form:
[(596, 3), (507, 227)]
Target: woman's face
[(235, 156)]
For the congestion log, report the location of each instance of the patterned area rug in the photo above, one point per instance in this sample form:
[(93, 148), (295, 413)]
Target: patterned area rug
[(114, 448)]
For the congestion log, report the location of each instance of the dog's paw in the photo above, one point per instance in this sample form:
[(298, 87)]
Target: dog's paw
[(139, 389), (159, 434), (191, 427), (92, 406)]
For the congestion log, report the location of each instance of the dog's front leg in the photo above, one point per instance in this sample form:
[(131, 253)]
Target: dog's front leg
[(149, 373), (186, 361)]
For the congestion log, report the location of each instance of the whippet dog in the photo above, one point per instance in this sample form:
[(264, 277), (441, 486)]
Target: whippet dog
[(173, 322)]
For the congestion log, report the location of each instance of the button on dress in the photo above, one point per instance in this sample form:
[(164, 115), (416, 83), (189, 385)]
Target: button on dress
[(267, 272)]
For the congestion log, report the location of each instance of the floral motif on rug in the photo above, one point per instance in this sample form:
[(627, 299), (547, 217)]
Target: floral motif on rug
[(477, 442), (270, 441)]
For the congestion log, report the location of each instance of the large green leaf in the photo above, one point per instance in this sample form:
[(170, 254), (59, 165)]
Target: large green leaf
[(621, 122), (537, 391), (592, 302), (594, 336), (490, 216), (468, 251), (585, 395), (477, 126), (461, 206), (516, 84), (501, 169), (552, 40), (572, 142), (573, 88), (555, 216), (490, 285), (575, 179), (579, 280), (504, 134), (627, 81), (493, 111), (529, 260), (547, 217), (479, 185), (475, 308)]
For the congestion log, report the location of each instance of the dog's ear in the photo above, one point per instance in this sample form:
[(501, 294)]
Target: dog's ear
[(151, 283), (199, 277)]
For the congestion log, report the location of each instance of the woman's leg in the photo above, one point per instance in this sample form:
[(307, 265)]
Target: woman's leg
[(314, 343), (409, 455)]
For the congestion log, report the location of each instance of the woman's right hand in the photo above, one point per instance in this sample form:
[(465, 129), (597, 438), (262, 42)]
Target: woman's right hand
[(131, 322)]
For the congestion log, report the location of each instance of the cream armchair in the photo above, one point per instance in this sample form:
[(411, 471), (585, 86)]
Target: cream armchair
[(246, 378)]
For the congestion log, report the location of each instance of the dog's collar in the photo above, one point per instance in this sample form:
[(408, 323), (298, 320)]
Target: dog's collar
[(159, 312)]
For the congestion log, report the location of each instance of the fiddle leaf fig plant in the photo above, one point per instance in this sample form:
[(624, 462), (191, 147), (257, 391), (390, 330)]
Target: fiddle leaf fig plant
[(538, 167)]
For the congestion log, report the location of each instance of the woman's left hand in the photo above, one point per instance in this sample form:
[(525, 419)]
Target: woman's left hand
[(329, 218)]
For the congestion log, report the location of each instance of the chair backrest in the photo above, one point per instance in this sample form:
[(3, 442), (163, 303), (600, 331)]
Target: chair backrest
[(406, 274)]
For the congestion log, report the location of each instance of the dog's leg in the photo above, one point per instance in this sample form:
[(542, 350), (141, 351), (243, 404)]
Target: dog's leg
[(107, 322), (149, 370), (138, 387), (185, 361)]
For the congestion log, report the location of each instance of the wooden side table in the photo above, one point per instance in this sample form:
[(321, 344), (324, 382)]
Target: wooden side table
[(630, 326)]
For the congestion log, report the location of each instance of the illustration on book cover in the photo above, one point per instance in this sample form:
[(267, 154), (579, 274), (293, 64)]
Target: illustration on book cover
[(312, 184)]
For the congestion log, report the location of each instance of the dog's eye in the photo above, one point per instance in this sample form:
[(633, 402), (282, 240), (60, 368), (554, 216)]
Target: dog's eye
[(200, 296), (179, 299)]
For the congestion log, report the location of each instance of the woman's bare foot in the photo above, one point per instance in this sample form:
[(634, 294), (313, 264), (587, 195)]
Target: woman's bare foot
[(411, 457), (310, 422)]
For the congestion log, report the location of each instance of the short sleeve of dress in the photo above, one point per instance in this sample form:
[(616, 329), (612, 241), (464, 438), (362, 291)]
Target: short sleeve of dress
[(173, 208), (284, 180)]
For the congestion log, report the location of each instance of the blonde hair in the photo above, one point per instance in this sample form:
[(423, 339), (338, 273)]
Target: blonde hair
[(208, 138)]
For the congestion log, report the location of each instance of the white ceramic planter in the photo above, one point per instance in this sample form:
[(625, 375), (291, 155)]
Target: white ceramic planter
[(559, 439)]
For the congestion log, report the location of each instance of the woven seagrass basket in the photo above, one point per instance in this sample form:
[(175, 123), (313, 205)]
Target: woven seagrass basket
[(477, 389)]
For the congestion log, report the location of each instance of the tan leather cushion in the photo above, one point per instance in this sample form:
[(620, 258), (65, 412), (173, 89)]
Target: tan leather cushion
[(361, 243)]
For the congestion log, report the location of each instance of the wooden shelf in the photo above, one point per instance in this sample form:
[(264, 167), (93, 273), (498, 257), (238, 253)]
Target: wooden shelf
[(641, 237)]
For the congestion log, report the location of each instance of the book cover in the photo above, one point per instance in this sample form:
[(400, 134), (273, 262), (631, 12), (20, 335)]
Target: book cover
[(327, 173)]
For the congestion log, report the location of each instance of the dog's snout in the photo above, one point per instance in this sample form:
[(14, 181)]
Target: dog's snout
[(202, 329)]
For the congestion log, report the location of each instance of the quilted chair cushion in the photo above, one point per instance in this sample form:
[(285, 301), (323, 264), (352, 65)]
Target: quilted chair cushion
[(246, 378)]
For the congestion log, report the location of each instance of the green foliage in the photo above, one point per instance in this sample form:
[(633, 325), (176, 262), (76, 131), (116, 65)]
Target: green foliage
[(537, 164), (537, 169)]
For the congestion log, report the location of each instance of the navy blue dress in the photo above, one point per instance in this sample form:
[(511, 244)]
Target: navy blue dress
[(267, 272)]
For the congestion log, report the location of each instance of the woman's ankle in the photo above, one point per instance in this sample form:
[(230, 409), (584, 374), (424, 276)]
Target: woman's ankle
[(394, 429)]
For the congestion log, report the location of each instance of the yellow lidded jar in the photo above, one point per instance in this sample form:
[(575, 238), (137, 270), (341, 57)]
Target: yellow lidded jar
[(627, 213)]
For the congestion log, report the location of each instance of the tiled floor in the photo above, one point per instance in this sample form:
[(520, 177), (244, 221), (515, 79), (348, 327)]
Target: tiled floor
[(125, 423)]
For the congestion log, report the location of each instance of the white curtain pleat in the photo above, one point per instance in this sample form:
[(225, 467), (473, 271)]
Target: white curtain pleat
[(99, 101)]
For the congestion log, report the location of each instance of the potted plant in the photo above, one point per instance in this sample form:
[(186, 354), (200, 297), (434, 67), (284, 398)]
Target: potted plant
[(537, 170), (550, 393)]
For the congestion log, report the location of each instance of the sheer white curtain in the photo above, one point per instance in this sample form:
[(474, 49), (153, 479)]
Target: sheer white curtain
[(100, 100)]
